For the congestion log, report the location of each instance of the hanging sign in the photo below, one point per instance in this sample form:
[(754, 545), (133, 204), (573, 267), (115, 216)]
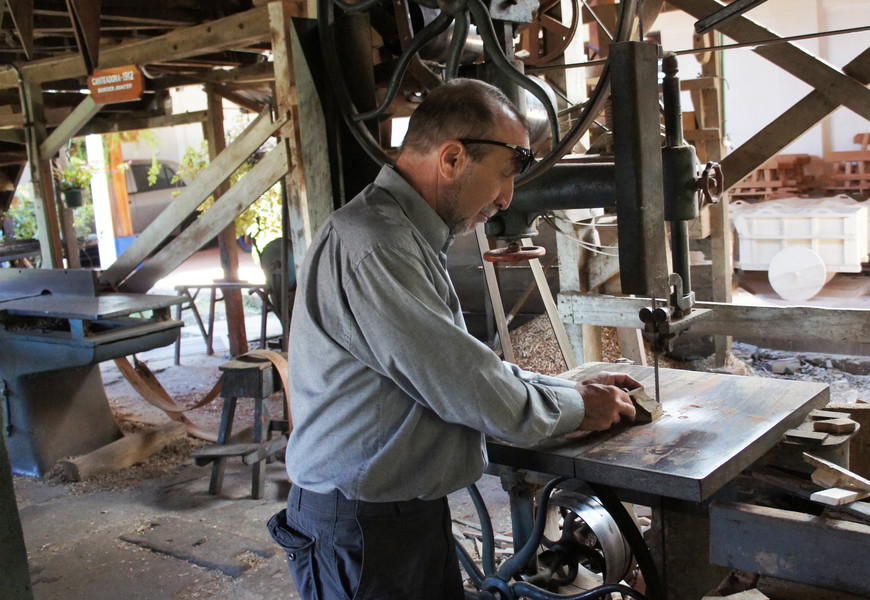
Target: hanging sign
[(118, 84)]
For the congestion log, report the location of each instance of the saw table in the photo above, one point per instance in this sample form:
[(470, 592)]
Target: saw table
[(713, 427), (56, 326)]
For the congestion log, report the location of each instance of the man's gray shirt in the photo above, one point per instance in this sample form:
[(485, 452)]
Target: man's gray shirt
[(390, 395)]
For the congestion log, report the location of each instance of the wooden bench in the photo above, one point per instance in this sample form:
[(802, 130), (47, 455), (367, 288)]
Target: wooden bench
[(190, 292), (246, 378)]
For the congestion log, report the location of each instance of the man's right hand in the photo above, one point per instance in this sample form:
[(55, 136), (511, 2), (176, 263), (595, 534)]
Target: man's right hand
[(606, 399)]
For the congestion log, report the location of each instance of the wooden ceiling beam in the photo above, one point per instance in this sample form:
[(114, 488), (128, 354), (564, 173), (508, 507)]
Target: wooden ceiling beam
[(236, 31), (85, 16), (100, 125), (237, 98), (831, 82), (257, 73), (127, 17), (22, 18)]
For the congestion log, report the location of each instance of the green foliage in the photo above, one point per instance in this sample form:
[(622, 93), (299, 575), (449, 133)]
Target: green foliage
[(23, 218), (83, 220), (261, 221), (23, 215), (195, 159)]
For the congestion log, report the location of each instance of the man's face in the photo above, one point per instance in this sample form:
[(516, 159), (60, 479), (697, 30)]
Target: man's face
[(484, 187)]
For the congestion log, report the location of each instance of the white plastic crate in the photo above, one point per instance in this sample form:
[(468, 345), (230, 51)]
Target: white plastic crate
[(835, 228)]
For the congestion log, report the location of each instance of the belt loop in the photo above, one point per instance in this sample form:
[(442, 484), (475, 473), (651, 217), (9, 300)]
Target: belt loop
[(298, 497)]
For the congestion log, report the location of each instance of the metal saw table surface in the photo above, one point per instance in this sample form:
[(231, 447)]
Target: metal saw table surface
[(713, 426), (77, 306)]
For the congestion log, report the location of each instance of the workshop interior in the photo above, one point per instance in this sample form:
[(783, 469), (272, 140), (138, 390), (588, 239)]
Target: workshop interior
[(641, 213)]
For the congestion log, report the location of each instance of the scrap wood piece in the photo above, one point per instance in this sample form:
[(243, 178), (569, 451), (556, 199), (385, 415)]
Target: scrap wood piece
[(120, 454), (647, 409), (818, 414), (805, 436), (838, 425), (830, 475), (143, 381), (837, 496)]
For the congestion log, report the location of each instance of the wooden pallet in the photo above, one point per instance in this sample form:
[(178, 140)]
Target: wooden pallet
[(781, 176), (848, 172)]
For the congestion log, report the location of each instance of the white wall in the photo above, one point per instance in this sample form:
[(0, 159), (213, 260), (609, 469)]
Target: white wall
[(757, 91)]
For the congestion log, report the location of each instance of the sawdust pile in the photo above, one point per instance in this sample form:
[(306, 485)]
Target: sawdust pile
[(536, 349)]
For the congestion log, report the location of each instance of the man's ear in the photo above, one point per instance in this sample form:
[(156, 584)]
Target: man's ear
[(452, 159)]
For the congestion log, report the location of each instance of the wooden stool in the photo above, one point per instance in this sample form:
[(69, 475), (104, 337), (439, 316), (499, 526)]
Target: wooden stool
[(246, 378)]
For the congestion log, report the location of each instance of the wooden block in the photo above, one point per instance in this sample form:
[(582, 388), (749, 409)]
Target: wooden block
[(828, 474), (817, 415), (806, 437), (837, 496), (647, 409), (841, 425), (123, 453)]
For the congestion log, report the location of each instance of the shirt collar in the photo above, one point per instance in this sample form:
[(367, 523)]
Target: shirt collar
[(418, 211)]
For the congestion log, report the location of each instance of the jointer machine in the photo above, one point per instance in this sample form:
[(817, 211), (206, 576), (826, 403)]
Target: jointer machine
[(571, 501), (56, 326)]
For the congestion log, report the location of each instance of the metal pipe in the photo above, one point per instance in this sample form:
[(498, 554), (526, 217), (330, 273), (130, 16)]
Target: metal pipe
[(680, 198), (562, 187)]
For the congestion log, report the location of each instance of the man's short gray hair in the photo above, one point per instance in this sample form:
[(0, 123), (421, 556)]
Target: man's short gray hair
[(460, 108)]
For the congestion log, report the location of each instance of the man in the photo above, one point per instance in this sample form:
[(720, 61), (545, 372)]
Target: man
[(390, 395)]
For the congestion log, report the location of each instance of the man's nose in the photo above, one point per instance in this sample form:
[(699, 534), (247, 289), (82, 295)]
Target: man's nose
[(506, 194)]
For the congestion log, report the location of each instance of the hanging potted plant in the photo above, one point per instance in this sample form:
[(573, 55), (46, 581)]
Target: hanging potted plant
[(72, 180)]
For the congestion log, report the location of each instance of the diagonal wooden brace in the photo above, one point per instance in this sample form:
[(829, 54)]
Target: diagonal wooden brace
[(827, 80)]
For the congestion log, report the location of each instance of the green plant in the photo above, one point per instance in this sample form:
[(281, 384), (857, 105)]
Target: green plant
[(23, 215), (83, 221), (76, 175), (261, 221)]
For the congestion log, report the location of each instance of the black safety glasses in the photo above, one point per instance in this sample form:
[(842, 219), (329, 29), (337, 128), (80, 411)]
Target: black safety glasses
[(524, 158)]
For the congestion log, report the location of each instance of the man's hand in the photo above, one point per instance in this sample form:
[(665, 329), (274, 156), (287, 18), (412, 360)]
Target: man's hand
[(606, 400)]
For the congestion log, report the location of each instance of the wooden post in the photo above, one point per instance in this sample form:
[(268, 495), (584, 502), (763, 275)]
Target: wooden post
[(214, 130), (40, 172), (720, 225), (584, 339), (308, 183), (121, 221), (287, 101), (70, 241)]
